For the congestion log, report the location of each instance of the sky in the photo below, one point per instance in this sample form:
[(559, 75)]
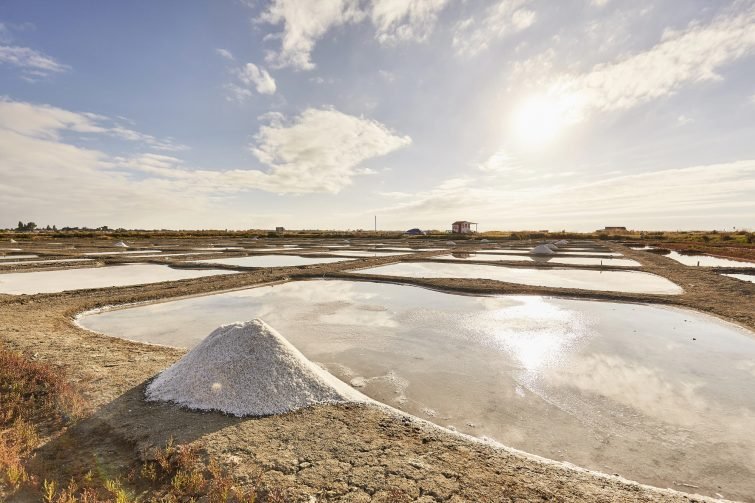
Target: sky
[(516, 114)]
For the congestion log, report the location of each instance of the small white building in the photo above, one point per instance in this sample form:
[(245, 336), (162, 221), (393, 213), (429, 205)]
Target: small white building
[(463, 227)]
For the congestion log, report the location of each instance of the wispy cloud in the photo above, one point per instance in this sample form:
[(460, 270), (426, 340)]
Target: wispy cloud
[(247, 77), (49, 122), (321, 149), (253, 76), (405, 20), (304, 23), (666, 198), (225, 54), (683, 57), (504, 17), (33, 64)]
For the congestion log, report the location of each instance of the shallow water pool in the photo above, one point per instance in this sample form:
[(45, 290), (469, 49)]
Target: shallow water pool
[(367, 253), (614, 281), (271, 260), (129, 252), (743, 277), (633, 389), (96, 277), (707, 260), (555, 259)]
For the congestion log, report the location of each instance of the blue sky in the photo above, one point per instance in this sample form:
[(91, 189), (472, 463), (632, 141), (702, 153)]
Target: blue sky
[(518, 114)]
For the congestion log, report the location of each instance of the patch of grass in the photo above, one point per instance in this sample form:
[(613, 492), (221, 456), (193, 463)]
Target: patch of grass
[(35, 397), (37, 401)]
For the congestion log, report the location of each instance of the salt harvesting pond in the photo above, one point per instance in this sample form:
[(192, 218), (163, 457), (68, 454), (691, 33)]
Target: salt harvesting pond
[(613, 281), (556, 259), (707, 260), (271, 261), (661, 395), (95, 277)]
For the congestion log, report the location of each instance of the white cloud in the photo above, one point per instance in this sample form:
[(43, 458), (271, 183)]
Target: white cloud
[(304, 23), (321, 148), (503, 18), (694, 54), (44, 174), (499, 162), (251, 75), (319, 151), (248, 77), (33, 64), (48, 122), (667, 198), (225, 54), (399, 20)]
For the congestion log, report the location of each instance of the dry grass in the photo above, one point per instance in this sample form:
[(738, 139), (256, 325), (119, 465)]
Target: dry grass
[(37, 402), (35, 399)]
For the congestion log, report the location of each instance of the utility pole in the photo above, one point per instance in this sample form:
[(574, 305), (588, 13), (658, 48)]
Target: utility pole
[(375, 223)]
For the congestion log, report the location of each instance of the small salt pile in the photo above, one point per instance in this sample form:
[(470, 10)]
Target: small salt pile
[(450, 242), (562, 242), (552, 246), (542, 250), (121, 244), (248, 369), (13, 241)]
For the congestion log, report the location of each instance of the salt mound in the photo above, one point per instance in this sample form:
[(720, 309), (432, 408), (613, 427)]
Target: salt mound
[(542, 250), (121, 244), (13, 241), (450, 242), (248, 369), (552, 246), (562, 242)]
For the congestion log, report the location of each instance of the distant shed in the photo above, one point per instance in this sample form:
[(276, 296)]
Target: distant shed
[(463, 227)]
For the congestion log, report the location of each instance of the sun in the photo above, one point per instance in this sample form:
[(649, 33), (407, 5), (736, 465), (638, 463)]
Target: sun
[(540, 120)]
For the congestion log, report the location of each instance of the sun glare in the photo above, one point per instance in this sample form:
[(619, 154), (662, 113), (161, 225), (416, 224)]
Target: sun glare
[(539, 120)]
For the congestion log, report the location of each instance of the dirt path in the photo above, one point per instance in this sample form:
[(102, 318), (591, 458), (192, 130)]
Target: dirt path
[(334, 453)]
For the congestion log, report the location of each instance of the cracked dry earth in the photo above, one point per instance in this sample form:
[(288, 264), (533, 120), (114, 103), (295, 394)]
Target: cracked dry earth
[(330, 453)]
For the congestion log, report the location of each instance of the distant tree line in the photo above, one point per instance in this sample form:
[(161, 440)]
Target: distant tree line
[(26, 227)]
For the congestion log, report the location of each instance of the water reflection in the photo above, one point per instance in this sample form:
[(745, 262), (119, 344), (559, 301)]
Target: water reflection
[(617, 281), (98, 277), (707, 260), (626, 388), (271, 260)]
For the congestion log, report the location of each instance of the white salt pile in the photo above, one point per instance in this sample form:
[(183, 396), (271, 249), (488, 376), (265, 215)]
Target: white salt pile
[(13, 241), (121, 244), (248, 369), (562, 242), (450, 242), (552, 246), (542, 250)]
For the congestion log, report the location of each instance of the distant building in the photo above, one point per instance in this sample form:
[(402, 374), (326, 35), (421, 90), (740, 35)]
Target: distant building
[(463, 227), (613, 229), (280, 229), (415, 232)]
